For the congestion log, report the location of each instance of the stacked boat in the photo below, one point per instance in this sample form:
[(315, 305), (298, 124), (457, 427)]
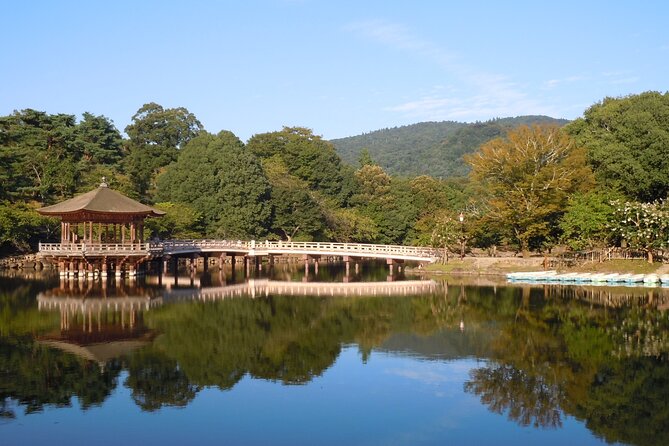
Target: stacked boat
[(589, 278)]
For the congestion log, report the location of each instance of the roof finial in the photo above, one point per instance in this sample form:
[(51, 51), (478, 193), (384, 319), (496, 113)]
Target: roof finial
[(104, 182)]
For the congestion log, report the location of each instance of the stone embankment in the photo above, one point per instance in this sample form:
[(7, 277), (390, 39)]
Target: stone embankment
[(27, 261)]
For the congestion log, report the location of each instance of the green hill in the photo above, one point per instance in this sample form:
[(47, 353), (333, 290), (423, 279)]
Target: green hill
[(432, 148)]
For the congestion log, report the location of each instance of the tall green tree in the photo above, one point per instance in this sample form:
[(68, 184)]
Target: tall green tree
[(306, 156), (387, 202), (296, 211), (218, 177), (628, 144), (529, 176), (44, 161), (585, 223), (156, 134)]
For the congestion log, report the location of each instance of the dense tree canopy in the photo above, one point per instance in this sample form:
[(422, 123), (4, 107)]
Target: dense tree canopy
[(155, 135), (628, 144), (306, 156), (224, 182)]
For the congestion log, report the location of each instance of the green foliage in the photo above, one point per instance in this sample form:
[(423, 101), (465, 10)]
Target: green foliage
[(387, 202), (628, 144), (43, 165), (180, 221), (429, 148), (307, 157), (48, 156), (156, 134), (584, 224), (37, 376), (350, 225), (296, 211), (157, 381), (222, 181), (21, 227)]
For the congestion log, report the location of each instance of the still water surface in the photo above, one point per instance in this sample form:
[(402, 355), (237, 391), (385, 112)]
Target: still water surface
[(288, 360)]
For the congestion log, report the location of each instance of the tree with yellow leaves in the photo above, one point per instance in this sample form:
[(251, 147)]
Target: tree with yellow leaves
[(528, 176)]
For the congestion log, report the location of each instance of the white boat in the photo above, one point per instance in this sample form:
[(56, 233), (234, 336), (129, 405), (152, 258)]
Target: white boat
[(568, 277), (613, 277), (583, 277), (598, 277), (651, 278), (635, 278)]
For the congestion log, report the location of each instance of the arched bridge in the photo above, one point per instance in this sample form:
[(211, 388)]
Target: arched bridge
[(271, 248)]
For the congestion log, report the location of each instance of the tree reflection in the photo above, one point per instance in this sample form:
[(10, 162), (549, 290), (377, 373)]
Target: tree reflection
[(36, 376), (528, 400), (157, 381)]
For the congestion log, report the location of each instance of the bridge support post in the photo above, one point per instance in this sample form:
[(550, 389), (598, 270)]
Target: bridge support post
[(205, 263), (221, 261), (305, 257), (347, 262)]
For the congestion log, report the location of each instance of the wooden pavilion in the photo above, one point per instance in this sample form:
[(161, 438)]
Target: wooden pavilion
[(100, 230)]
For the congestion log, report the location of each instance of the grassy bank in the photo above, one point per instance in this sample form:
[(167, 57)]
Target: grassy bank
[(504, 265)]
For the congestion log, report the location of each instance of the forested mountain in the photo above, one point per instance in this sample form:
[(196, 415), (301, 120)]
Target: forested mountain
[(430, 148)]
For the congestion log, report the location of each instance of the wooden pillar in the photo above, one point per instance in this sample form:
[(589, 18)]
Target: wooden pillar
[(205, 263), (90, 232), (390, 263), (103, 272), (306, 265), (123, 233)]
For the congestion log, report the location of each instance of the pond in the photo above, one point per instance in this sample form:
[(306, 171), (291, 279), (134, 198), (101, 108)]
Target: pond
[(284, 358)]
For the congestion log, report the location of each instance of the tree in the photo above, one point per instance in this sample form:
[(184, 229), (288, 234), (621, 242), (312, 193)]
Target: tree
[(307, 157), (628, 144), (44, 164), (643, 226), (585, 221), (223, 181), (295, 210), (21, 227), (98, 140), (180, 221), (387, 202), (156, 134), (529, 175)]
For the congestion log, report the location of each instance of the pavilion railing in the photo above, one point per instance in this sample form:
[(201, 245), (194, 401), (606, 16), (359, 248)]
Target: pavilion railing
[(92, 248)]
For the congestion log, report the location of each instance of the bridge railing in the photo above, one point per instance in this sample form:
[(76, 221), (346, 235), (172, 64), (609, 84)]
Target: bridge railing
[(283, 246), (96, 248)]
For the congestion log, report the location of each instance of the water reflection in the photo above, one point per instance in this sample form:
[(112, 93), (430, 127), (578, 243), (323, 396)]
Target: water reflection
[(545, 353)]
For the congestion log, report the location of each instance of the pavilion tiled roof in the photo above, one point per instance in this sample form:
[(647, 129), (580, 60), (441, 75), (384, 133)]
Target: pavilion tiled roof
[(101, 200)]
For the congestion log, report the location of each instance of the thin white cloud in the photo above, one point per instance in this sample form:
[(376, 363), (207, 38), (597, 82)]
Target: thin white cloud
[(491, 95), (552, 83)]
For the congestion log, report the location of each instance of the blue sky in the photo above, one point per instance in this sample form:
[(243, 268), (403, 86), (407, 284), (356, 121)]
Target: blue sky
[(340, 68)]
